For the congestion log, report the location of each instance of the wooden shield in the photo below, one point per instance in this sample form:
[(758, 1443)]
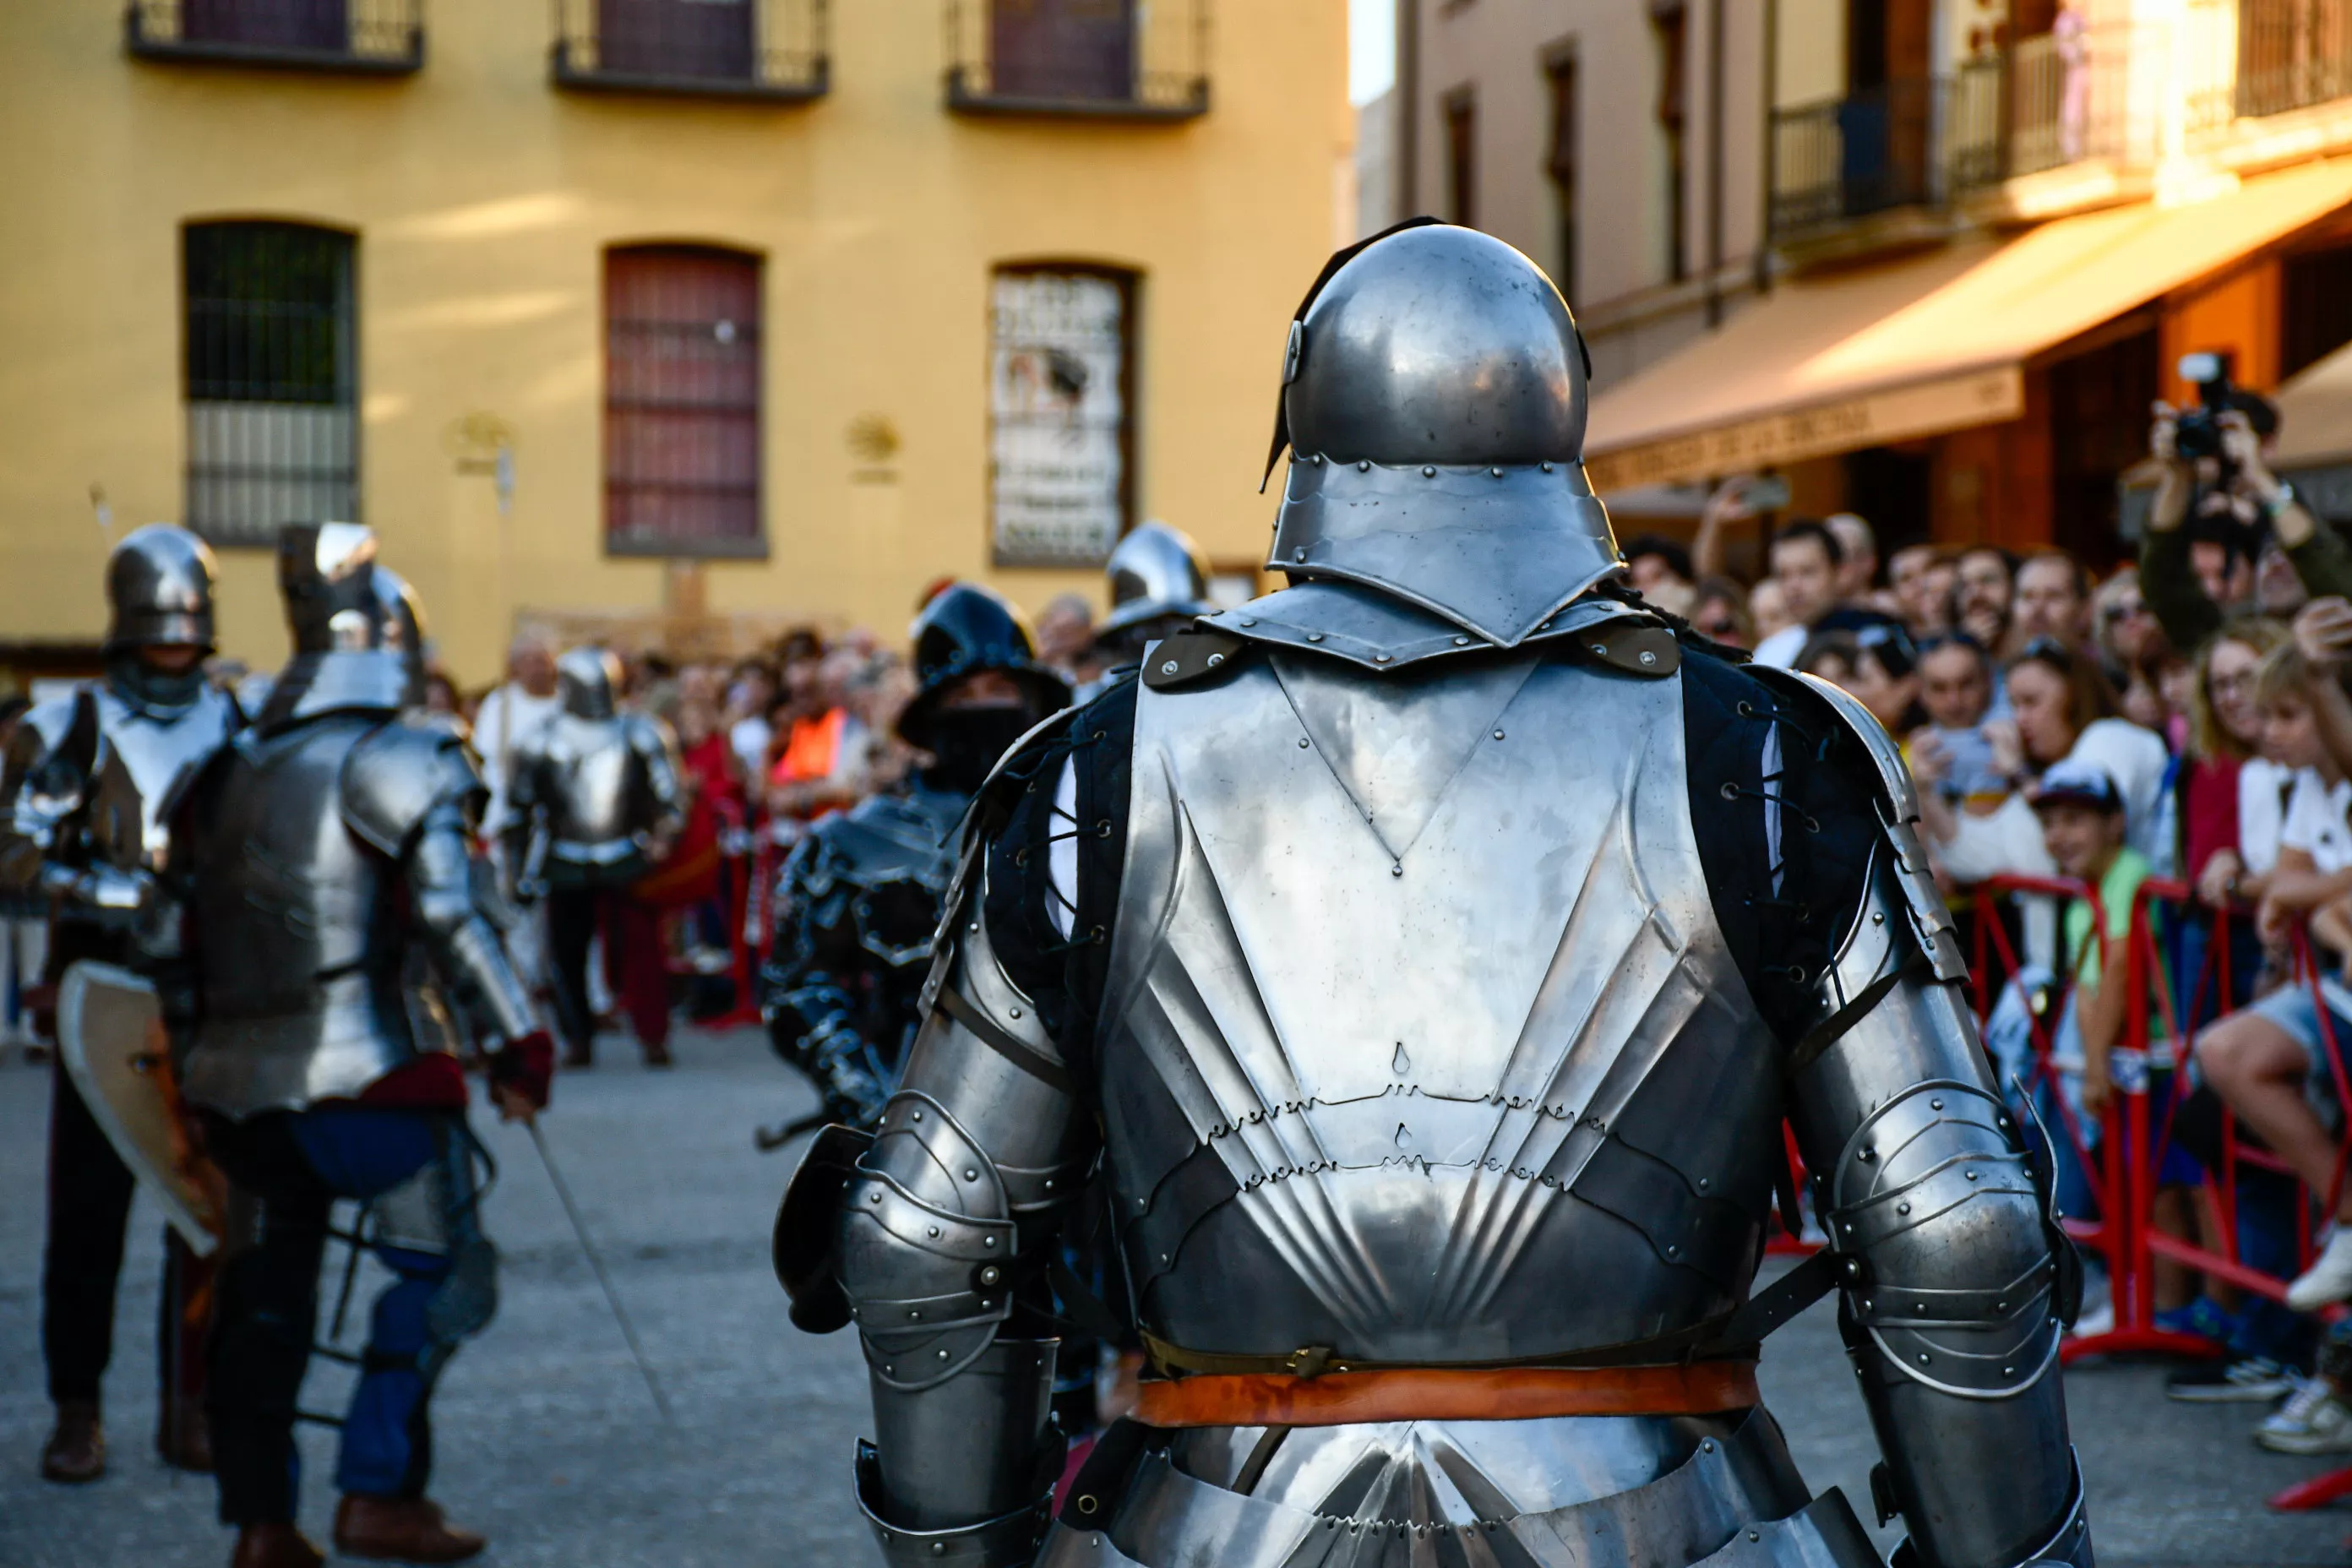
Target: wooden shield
[(110, 1037)]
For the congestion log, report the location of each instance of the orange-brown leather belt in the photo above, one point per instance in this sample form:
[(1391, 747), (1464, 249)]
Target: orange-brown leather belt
[(1439, 1394)]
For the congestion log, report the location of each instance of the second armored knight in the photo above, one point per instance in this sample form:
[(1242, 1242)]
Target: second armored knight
[(86, 792), (320, 853), (858, 900), (594, 798), (1430, 953)]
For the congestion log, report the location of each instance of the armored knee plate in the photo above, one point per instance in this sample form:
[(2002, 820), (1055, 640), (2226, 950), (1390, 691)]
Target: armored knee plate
[(437, 1214)]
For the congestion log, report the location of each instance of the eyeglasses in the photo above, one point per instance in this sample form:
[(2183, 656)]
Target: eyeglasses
[(2049, 651), (2123, 610), (1718, 627)]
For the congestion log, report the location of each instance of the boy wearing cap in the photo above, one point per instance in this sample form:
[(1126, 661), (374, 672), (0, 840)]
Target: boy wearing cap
[(2082, 815)]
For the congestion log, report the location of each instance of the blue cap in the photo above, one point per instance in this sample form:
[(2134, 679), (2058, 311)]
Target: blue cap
[(2078, 784)]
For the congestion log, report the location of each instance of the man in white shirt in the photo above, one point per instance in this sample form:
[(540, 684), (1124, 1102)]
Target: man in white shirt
[(510, 713), (1806, 561)]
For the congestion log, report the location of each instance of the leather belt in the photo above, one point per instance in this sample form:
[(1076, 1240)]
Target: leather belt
[(1442, 1394)]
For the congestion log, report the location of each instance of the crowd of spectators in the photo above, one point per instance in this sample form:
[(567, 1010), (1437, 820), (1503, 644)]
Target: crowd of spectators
[(2182, 717)]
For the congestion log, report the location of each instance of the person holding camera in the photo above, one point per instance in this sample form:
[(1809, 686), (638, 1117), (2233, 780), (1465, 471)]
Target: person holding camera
[(2218, 511)]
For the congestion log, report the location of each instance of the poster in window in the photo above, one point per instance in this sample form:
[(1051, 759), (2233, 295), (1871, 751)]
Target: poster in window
[(1059, 417)]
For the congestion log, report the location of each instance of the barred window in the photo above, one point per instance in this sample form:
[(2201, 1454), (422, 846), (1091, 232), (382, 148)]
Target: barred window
[(1075, 49), (681, 402), (271, 378), (1061, 396)]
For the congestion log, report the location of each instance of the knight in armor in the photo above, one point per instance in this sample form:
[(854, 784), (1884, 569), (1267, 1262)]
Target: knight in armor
[(595, 800), (330, 873), (86, 790), (1428, 955), (1158, 586), (858, 900)]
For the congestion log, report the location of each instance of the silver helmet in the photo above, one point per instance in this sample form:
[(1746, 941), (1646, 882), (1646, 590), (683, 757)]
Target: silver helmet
[(1157, 571), (588, 682), (1433, 399), (358, 634), (159, 589)]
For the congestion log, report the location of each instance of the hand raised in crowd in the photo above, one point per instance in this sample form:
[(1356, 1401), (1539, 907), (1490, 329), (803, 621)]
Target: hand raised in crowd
[(2242, 448), (2007, 747), (2164, 435), (2322, 632), (1930, 759), (2179, 480)]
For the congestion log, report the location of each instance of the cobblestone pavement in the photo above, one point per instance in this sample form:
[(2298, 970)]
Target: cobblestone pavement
[(548, 1441)]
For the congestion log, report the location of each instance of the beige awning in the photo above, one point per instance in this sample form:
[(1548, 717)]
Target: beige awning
[(1938, 343), (2315, 415)]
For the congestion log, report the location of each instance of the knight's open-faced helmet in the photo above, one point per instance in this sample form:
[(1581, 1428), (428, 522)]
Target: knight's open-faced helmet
[(965, 630)]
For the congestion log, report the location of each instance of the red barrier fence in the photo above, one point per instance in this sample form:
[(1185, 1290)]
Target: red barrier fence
[(2122, 1151)]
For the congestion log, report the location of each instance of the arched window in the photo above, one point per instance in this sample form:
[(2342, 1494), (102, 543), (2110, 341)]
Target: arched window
[(271, 378), (682, 402)]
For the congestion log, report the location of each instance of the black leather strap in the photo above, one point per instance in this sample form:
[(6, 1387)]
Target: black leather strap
[(1027, 1058)]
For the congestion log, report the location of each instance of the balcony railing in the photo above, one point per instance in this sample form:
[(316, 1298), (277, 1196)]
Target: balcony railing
[(1850, 158), (773, 50), (2292, 54), (367, 36), (2048, 101), (1122, 59)]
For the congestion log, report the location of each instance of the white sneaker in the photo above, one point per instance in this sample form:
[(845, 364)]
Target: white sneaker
[(2329, 1278), (2094, 1320), (2312, 1421)]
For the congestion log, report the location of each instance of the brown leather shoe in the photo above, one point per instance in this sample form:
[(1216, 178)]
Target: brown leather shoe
[(274, 1546), (76, 1451), (657, 1056), (578, 1055), (184, 1437), (406, 1530)]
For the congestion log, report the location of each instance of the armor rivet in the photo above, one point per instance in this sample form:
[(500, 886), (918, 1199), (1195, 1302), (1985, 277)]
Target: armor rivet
[(874, 1197), (1923, 1358), (973, 928), (1298, 552), (1868, 1156), (2009, 1372), (943, 1355), (918, 1116), (1902, 1208), (1496, 472), (1216, 659), (890, 1372), (1934, 1105), (1363, 467), (2001, 1306), (1247, 621), (1702, 1184), (1547, 467), (1168, 667), (1016, 1012), (915, 1317), (1673, 1252), (970, 1176), (988, 1241), (932, 1230), (1396, 870), (1314, 637), (1878, 917), (1498, 734), (1087, 1504), (1648, 658), (1865, 1304), (1380, 658), (1428, 473), (1317, 459), (1600, 647), (1971, 1176), (1706, 1445), (1049, 1184), (1753, 1535), (1461, 642)]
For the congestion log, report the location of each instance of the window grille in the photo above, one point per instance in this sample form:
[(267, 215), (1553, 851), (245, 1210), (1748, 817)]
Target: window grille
[(271, 378), (773, 50), (1127, 59), (364, 35), (1060, 394), (682, 402)]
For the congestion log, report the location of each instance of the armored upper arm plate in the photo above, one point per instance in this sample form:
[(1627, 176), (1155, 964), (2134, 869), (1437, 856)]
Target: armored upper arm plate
[(1898, 811), (397, 774)]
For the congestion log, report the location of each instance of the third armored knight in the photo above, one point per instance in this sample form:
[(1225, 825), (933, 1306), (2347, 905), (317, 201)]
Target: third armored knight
[(859, 899), (327, 853), (86, 792), (1429, 954), (593, 798)]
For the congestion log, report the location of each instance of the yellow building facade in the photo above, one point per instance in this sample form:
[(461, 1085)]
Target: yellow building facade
[(880, 194)]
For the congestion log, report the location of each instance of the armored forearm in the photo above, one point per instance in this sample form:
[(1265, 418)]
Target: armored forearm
[(976, 1155), (465, 947), (810, 1020), (1953, 1272)]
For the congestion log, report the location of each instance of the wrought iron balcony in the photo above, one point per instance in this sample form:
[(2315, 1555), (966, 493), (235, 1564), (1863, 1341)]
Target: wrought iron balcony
[(771, 49), (1109, 59), (380, 37), (2293, 54), (1870, 153), (2049, 101)]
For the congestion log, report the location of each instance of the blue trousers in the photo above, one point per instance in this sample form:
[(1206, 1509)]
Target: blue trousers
[(295, 1164)]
